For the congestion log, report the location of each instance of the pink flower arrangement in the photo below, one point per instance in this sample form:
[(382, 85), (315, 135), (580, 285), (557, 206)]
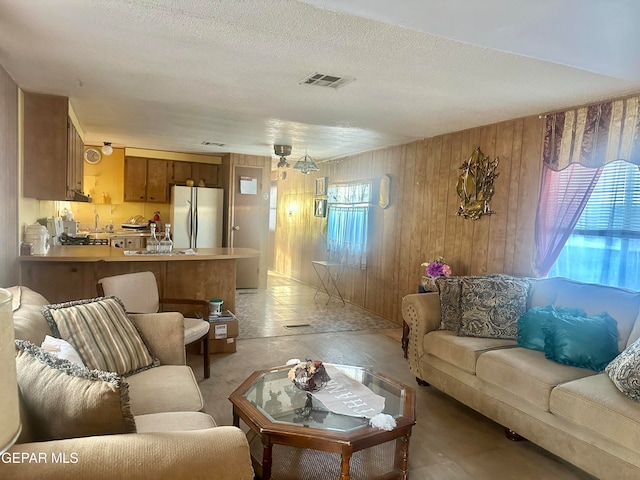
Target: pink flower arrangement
[(437, 268)]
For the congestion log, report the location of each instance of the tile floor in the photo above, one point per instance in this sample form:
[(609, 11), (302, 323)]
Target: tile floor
[(449, 441), (288, 307)]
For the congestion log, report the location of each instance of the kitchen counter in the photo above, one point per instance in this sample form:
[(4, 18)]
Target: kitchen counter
[(72, 272), (100, 253)]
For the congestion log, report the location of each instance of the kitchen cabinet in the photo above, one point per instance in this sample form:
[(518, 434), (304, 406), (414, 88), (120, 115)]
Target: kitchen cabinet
[(157, 180), (135, 179), (53, 149), (180, 172), (146, 180), (205, 171)]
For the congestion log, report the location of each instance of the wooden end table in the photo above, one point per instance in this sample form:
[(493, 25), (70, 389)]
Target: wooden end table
[(274, 409)]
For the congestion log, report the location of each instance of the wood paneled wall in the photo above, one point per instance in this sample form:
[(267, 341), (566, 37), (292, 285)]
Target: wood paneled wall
[(421, 223), (9, 223)]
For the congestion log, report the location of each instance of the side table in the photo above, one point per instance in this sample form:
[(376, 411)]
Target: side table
[(328, 274)]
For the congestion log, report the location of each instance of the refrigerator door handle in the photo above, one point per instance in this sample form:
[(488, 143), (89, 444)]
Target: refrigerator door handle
[(195, 228), (189, 220)]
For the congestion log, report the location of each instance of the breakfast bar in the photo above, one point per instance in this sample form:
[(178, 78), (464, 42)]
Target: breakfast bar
[(71, 272)]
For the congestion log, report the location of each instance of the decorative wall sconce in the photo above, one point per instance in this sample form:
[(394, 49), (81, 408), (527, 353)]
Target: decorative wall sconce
[(475, 185)]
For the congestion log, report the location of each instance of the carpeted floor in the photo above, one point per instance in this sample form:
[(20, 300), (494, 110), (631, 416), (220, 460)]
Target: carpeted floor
[(288, 307)]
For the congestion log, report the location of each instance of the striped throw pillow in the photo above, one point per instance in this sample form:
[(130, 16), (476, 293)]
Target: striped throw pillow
[(102, 334)]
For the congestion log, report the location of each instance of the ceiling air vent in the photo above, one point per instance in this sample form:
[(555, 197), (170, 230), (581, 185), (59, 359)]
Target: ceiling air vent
[(322, 80), (213, 144)]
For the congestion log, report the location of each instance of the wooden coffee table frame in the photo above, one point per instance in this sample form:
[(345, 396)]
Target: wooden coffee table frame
[(343, 443)]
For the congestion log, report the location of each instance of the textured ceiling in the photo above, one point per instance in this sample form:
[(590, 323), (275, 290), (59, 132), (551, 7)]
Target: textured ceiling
[(172, 74)]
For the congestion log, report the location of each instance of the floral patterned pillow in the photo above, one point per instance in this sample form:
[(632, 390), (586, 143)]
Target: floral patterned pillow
[(491, 306), (449, 291), (624, 371)]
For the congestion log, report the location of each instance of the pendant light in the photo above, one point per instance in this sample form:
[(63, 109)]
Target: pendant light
[(306, 165)]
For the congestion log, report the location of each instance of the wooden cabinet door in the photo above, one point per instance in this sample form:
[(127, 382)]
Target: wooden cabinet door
[(75, 167), (157, 180), (180, 172), (205, 171), (135, 179), (45, 146)]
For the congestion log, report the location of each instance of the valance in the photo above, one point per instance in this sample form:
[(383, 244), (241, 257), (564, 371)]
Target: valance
[(594, 135)]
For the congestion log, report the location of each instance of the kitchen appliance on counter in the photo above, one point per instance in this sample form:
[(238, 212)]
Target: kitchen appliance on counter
[(196, 216), (55, 228), (82, 239), (38, 236), (70, 227)]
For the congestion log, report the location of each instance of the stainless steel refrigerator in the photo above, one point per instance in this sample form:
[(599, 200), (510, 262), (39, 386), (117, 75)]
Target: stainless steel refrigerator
[(196, 217)]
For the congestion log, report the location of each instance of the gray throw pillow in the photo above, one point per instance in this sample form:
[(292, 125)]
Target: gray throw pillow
[(449, 291), (491, 306), (624, 371)]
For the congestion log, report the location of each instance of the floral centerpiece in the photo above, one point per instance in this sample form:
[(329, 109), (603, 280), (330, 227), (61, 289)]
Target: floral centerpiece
[(309, 375), (437, 268)]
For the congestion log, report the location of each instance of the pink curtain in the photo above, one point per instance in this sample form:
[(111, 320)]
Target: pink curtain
[(563, 196), (577, 145)]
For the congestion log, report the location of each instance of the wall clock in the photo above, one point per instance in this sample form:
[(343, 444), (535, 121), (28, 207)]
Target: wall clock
[(92, 156)]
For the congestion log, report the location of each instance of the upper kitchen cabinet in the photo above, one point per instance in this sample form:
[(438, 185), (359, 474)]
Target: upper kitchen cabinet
[(180, 172), (205, 171), (157, 180), (53, 149), (146, 180)]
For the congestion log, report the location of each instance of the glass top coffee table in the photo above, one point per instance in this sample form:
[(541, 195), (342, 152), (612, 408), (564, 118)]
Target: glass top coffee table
[(278, 413)]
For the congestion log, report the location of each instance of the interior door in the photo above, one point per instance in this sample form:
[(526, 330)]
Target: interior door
[(245, 228)]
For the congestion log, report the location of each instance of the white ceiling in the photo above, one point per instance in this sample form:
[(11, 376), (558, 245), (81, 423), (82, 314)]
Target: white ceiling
[(172, 74)]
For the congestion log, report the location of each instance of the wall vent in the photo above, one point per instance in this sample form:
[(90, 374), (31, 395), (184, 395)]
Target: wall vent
[(323, 80), (213, 144)]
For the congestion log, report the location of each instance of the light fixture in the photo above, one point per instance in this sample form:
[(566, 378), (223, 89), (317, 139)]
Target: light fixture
[(282, 151), (107, 149), (306, 165), (9, 410)]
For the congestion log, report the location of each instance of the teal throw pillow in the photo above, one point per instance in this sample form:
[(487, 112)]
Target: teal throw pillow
[(530, 324), (586, 342)]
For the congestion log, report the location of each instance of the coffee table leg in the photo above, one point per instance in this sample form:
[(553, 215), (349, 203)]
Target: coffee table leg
[(266, 461), (236, 417), (345, 473), (402, 456)]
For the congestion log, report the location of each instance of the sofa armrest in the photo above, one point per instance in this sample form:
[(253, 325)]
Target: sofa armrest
[(421, 312), (219, 453), (164, 335)]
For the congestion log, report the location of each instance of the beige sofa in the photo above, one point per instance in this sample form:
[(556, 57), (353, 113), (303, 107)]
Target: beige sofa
[(175, 439), (575, 413)]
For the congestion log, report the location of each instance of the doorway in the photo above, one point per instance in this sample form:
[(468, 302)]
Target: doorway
[(246, 222)]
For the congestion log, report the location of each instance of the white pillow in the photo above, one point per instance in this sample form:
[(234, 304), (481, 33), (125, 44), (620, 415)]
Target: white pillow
[(62, 349)]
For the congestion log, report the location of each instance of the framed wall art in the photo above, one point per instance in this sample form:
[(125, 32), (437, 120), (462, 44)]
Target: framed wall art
[(321, 186), (320, 207)]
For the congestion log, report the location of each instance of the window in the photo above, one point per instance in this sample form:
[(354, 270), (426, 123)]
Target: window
[(348, 223), (604, 247)]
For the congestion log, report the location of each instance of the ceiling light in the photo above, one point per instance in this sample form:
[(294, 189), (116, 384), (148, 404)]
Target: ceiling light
[(306, 165), (282, 151), (107, 149)]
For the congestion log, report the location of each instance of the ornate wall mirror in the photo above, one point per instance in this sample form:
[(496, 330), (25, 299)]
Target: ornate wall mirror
[(475, 185)]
